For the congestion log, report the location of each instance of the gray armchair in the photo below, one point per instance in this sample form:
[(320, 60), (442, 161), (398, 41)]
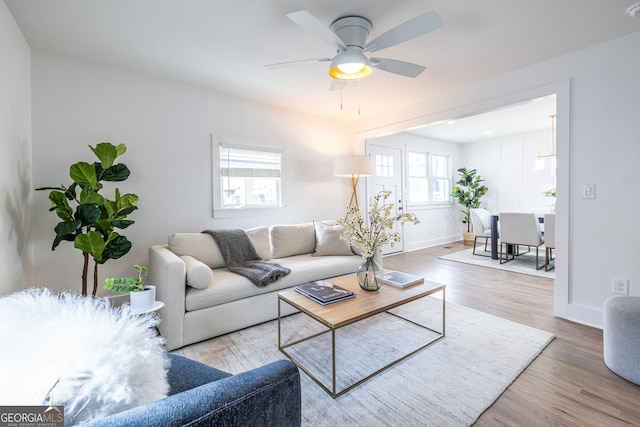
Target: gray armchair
[(204, 396)]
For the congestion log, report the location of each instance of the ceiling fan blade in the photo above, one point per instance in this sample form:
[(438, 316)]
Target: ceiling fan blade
[(312, 24), (278, 65), (402, 68), (413, 28)]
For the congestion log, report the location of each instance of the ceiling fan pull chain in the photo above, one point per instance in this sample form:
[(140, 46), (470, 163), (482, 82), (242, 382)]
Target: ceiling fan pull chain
[(358, 97), (341, 89)]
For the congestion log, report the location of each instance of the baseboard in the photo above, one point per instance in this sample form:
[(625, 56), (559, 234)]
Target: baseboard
[(409, 247), (585, 315)]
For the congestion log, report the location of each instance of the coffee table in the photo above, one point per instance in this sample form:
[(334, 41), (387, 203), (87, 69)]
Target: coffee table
[(363, 306)]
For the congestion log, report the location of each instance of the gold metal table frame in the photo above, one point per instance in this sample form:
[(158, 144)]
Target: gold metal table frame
[(339, 315)]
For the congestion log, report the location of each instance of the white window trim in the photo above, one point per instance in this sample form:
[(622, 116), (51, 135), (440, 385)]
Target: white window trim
[(430, 204), (218, 210), (408, 177), (431, 177)]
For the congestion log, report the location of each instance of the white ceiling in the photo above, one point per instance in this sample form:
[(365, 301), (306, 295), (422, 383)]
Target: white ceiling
[(223, 45), (531, 116)]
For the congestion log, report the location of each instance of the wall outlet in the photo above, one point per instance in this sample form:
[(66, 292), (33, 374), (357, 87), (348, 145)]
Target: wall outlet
[(620, 286)]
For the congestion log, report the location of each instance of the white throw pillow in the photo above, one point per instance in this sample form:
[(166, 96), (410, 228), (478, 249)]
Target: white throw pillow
[(259, 236), (201, 246), (328, 241), (199, 275), (294, 239), (78, 352)]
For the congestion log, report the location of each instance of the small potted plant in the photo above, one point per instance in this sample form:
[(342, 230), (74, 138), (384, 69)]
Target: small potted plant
[(467, 191), (141, 296)]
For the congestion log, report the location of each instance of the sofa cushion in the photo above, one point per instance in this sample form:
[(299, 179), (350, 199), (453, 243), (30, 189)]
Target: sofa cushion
[(199, 275), (259, 236), (230, 287), (185, 374), (328, 241), (198, 245), (289, 240)]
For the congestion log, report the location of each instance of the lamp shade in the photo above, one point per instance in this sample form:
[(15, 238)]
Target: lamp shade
[(349, 166), (350, 65)]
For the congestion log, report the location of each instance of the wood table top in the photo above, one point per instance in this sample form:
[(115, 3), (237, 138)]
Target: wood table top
[(365, 304)]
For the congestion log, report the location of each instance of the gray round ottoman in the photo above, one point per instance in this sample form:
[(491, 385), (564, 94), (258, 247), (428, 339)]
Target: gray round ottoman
[(621, 336)]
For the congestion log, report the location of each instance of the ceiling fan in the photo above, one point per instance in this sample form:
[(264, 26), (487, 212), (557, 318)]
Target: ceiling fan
[(349, 36)]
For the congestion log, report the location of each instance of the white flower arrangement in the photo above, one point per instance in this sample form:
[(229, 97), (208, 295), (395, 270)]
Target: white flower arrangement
[(548, 191), (370, 237)]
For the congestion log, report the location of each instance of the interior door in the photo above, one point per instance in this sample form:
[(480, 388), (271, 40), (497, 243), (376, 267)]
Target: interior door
[(388, 177)]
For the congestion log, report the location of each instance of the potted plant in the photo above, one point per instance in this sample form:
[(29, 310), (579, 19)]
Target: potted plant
[(141, 297), (468, 190), (89, 219)]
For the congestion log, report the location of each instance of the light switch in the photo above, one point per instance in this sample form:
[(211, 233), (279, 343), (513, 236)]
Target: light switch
[(588, 191)]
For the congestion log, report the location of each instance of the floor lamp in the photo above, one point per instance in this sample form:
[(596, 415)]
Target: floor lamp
[(354, 167)]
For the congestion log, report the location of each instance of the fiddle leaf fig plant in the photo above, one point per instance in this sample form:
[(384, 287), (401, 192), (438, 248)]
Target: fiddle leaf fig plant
[(468, 190), (89, 219)]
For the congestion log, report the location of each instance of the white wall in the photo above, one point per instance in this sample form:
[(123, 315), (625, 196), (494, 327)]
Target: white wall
[(439, 224), (167, 125), (167, 128), (507, 166), (603, 149), (16, 253)]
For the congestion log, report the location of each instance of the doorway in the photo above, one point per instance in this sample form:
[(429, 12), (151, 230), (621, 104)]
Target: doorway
[(388, 177), (473, 106)]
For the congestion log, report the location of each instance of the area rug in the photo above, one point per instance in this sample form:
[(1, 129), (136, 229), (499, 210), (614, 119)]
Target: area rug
[(524, 264), (450, 383)]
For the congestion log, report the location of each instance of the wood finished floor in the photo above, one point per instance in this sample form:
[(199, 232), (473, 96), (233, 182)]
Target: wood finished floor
[(568, 384)]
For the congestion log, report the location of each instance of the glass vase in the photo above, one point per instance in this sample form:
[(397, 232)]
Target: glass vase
[(367, 272)]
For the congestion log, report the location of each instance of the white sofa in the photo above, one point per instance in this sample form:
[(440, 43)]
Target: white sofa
[(202, 305)]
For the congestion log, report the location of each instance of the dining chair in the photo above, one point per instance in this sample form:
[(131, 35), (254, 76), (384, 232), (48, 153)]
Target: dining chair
[(549, 240), (481, 222), (519, 229)]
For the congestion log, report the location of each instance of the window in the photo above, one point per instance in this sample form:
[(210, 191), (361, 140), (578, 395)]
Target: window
[(428, 178), (418, 181), (440, 179), (249, 178), (384, 166)]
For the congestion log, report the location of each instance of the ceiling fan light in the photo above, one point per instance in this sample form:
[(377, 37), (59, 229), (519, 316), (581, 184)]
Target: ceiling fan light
[(364, 72), (350, 65)]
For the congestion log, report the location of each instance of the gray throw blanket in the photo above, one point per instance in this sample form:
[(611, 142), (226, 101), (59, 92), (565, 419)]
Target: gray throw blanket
[(241, 257)]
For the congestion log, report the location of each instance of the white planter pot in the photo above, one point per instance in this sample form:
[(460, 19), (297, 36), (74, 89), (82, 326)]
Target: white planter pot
[(144, 300)]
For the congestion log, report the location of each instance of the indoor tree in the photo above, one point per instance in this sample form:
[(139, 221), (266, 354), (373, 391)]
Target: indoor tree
[(468, 190), (89, 219)]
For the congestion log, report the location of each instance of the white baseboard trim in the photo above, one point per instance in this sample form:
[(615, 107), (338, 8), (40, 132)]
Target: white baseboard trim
[(585, 315), (409, 247)]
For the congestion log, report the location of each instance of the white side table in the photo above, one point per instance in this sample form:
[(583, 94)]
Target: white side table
[(157, 306)]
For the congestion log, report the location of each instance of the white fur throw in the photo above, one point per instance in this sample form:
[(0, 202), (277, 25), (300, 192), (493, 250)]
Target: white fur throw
[(78, 352)]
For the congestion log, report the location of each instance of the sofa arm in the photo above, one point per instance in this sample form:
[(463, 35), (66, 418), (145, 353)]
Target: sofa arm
[(167, 271), (266, 396)]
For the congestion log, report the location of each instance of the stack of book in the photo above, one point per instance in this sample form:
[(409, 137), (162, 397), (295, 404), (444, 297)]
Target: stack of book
[(399, 279), (324, 292)]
